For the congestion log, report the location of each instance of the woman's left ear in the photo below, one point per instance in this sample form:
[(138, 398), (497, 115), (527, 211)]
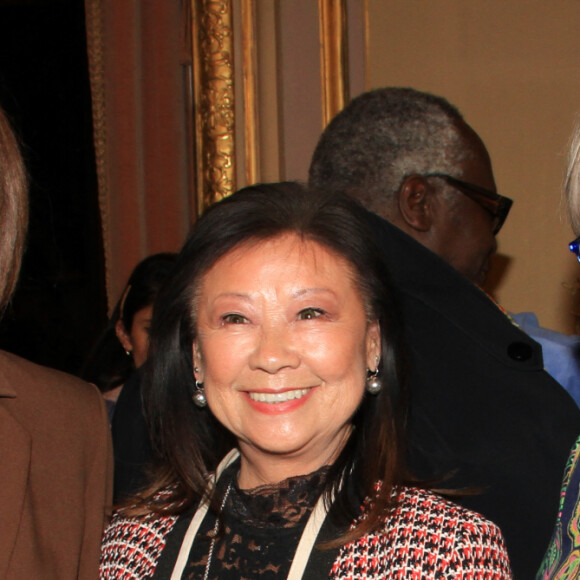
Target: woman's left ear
[(373, 346), (123, 337)]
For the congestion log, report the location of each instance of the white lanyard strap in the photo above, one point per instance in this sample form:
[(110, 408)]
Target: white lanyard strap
[(307, 540), (193, 527), (303, 550)]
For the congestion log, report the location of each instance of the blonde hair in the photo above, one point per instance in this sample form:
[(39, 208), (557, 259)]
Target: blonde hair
[(13, 210), (572, 181)]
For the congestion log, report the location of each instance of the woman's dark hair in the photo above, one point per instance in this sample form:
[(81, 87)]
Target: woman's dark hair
[(189, 442), (108, 366)]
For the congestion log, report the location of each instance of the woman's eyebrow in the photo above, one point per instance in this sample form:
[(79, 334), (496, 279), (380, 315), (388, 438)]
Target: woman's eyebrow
[(315, 290)]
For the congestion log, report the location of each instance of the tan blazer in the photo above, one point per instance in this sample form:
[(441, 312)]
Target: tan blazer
[(55, 473)]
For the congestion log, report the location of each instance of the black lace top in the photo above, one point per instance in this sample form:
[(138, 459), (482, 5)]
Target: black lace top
[(260, 532)]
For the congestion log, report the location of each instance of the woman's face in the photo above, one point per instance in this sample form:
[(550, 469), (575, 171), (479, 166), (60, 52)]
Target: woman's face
[(137, 340), (283, 347)]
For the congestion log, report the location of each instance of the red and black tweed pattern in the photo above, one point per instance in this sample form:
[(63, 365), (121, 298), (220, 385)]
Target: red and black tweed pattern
[(132, 546), (427, 537)]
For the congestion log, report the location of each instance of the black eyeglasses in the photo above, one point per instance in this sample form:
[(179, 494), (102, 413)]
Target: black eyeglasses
[(574, 246), (497, 205)]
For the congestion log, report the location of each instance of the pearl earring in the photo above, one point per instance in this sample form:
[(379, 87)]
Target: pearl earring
[(374, 383), (199, 398)]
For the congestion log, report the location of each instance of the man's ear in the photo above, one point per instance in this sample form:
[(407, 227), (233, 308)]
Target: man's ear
[(415, 198)]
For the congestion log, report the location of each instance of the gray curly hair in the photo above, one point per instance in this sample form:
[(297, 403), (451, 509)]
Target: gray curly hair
[(383, 136)]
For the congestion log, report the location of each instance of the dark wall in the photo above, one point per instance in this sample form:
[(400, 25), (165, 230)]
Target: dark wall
[(60, 305)]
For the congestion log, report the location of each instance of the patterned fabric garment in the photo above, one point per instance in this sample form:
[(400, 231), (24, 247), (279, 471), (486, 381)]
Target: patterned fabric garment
[(425, 538), (562, 560), (132, 546)]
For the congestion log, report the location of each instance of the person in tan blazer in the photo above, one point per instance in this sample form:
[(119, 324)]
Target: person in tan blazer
[(55, 450)]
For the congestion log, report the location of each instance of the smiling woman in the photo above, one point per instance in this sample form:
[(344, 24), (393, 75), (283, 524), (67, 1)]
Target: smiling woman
[(293, 322), (278, 337)]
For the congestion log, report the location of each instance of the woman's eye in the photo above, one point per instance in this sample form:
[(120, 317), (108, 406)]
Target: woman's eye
[(234, 319), (310, 313)]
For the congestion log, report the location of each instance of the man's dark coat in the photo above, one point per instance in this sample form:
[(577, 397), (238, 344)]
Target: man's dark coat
[(482, 406)]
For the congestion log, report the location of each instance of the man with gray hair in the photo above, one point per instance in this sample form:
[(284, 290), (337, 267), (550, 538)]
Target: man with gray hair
[(485, 416)]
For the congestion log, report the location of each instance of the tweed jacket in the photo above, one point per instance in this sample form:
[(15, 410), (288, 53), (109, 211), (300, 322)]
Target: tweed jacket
[(483, 408), (426, 537), (56, 473)]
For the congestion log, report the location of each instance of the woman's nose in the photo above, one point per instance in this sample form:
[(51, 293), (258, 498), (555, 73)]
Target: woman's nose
[(274, 350)]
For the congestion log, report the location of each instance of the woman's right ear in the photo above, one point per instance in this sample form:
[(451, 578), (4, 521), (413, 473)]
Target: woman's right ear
[(415, 198), (123, 337), (197, 364)]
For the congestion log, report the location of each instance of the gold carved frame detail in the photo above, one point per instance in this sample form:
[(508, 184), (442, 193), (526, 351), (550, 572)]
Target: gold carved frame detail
[(214, 95), (333, 57)]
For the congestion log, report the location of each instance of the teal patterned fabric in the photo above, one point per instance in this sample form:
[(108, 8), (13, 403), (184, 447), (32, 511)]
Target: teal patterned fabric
[(562, 560)]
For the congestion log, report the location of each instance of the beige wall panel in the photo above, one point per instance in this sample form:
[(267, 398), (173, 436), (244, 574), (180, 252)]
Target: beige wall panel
[(298, 86), (268, 91), (357, 64), (513, 69), (289, 81)]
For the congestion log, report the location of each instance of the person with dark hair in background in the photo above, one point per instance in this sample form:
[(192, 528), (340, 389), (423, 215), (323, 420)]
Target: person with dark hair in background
[(484, 413), (276, 342), (55, 464), (113, 366), (122, 348)]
